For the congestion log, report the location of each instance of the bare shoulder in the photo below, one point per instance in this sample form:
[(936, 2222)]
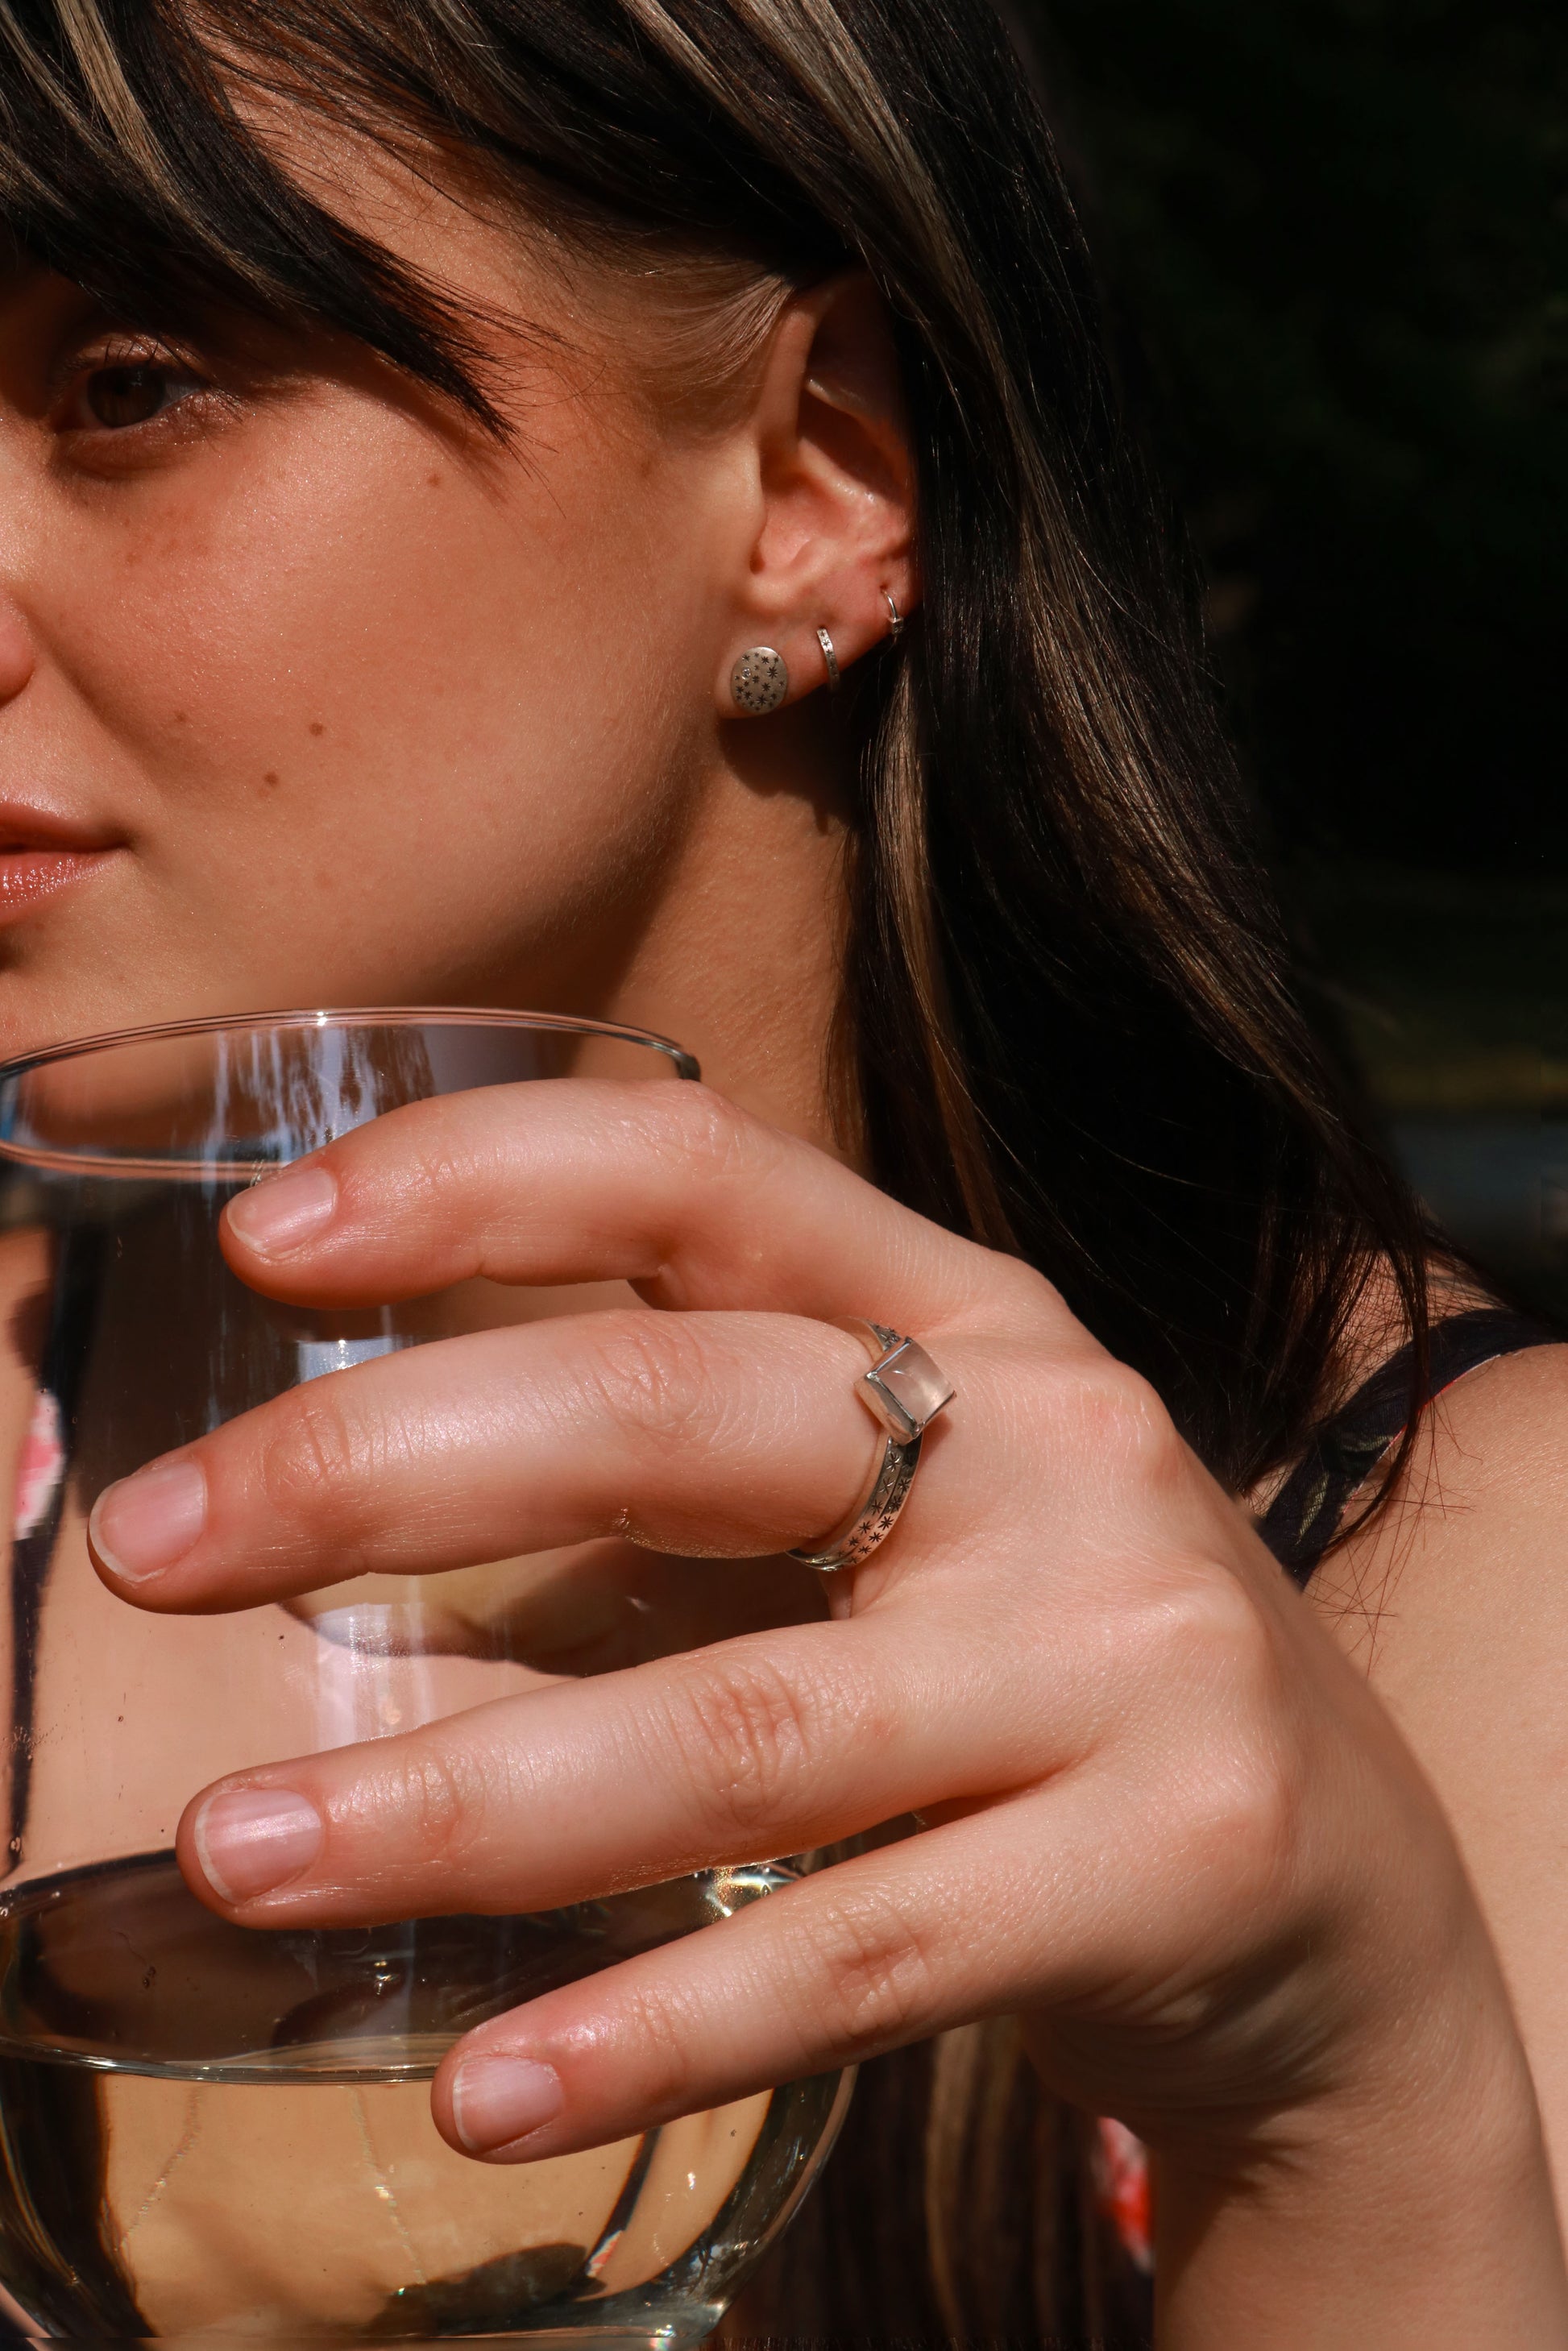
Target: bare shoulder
[(1455, 1602), (1478, 1524)]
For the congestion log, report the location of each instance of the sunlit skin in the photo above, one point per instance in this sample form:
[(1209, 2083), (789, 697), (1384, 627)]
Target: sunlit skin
[(357, 708), (330, 699)]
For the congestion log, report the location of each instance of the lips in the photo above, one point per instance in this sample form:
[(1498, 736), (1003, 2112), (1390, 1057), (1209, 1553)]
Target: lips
[(42, 853), (27, 877)]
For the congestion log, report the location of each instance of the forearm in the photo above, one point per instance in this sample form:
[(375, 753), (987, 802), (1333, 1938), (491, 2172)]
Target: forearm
[(1425, 2223)]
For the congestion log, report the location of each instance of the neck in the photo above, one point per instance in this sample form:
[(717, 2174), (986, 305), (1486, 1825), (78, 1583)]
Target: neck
[(733, 941), (741, 960)]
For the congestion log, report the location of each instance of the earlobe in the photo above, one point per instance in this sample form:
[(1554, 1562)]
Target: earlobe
[(761, 680)]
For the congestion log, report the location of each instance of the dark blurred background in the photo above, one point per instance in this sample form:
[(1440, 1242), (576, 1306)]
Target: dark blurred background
[(1335, 238)]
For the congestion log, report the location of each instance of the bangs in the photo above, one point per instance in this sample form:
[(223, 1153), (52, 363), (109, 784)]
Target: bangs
[(127, 167), (130, 164)]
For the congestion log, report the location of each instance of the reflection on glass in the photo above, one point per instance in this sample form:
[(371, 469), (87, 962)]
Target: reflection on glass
[(209, 2131)]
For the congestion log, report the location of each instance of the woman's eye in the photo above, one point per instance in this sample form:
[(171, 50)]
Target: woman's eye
[(117, 397)]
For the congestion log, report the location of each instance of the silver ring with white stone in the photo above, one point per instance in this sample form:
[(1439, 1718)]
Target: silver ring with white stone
[(904, 1392)]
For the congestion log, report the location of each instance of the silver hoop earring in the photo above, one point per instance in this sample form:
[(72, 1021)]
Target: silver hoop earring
[(760, 681), (832, 659), (895, 615)]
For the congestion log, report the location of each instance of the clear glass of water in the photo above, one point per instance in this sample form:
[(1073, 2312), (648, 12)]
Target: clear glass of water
[(210, 2133)]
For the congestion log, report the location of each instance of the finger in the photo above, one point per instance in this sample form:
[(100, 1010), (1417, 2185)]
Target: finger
[(558, 1181), (723, 1436), (977, 1918), (771, 1743)]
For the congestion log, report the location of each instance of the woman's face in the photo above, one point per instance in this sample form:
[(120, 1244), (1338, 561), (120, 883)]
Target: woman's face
[(309, 693)]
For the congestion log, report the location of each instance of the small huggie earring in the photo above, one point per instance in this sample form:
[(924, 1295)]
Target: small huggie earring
[(832, 659), (760, 681), (895, 615)]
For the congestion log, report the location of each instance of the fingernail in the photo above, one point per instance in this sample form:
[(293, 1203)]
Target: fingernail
[(250, 1840), (144, 1524), (283, 1212), (497, 2099)]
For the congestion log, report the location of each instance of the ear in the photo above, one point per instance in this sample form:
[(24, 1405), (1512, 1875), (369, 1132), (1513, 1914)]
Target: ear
[(829, 443)]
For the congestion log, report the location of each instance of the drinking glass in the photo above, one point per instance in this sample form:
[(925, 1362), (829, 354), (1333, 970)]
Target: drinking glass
[(208, 2132)]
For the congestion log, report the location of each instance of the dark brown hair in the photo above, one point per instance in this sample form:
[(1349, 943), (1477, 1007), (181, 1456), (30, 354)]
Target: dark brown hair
[(1064, 1006)]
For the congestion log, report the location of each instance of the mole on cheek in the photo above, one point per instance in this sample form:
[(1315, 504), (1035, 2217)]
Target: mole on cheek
[(317, 727), (271, 780), (434, 480)]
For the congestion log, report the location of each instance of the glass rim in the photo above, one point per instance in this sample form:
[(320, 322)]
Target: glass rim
[(380, 1016), (324, 1017)]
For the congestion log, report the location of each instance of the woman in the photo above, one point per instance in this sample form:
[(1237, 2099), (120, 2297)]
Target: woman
[(453, 454)]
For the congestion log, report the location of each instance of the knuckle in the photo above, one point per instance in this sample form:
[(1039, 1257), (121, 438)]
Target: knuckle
[(1110, 1426), (438, 1799), (744, 1734), (1260, 1826), (1212, 1627), (1195, 1628), (1026, 1302), (711, 1136), (1241, 1817), (1120, 1415), (651, 1373), (311, 1461), (408, 1159), (707, 1142), (868, 1977), (454, 1165), (1237, 1792)]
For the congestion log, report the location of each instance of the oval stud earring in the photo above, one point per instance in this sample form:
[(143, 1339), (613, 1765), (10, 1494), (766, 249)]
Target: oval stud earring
[(831, 659), (895, 617), (760, 681)]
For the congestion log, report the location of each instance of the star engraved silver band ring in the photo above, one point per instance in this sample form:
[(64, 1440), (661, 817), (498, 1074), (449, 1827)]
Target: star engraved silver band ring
[(904, 1392)]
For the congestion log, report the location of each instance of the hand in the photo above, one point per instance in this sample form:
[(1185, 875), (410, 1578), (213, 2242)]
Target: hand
[(1164, 1820)]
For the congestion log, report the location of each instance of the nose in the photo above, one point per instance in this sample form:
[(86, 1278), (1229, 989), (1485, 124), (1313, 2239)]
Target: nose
[(17, 654)]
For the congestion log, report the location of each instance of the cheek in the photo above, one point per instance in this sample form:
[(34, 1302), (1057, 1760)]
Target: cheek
[(360, 682)]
